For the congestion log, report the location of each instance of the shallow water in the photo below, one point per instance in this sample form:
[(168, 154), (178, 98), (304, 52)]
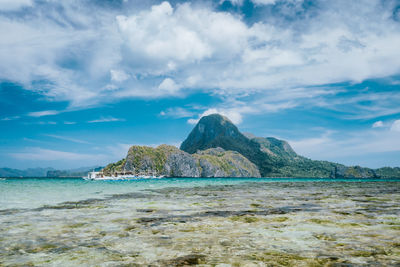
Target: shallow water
[(210, 222)]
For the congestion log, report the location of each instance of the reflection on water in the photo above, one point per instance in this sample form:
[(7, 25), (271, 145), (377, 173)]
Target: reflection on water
[(211, 222)]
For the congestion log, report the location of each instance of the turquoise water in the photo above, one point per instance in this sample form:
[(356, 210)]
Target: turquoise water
[(36, 192), (210, 222)]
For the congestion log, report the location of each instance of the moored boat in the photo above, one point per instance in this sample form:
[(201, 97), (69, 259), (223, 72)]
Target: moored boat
[(123, 176)]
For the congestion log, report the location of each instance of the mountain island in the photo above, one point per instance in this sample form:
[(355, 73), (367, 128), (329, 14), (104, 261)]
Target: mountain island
[(216, 148)]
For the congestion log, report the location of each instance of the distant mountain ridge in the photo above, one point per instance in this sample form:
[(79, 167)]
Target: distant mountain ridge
[(30, 172), (47, 172), (79, 172)]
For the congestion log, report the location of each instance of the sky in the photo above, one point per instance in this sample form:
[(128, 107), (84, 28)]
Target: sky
[(82, 80)]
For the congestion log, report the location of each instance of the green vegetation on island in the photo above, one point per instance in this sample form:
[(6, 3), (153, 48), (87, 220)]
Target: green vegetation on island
[(170, 161), (216, 148)]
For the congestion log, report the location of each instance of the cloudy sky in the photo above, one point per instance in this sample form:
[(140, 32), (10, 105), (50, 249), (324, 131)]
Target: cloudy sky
[(81, 80)]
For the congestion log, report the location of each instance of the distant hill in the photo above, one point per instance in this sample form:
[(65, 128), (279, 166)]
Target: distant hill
[(47, 172), (32, 172), (79, 172)]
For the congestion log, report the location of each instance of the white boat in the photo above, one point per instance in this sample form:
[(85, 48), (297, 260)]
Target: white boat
[(99, 176)]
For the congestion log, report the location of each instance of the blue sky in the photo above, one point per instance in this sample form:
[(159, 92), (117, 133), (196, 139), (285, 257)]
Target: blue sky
[(81, 81)]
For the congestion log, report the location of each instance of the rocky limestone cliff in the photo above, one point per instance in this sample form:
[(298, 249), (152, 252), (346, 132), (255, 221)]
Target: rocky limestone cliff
[(173, 162), (214, 131), (216, 162)]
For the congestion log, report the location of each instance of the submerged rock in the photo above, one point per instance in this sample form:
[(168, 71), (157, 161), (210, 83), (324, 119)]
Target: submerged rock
[(191, 259)]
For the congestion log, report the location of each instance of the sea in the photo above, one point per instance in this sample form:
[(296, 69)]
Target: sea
[(199, 221)]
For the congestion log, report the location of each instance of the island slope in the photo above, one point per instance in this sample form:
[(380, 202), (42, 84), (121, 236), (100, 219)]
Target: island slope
[(170, 161)]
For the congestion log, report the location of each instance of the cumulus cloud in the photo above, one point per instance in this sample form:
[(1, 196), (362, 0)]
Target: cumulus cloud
[(377, 124), (257, 2), (173, 37), (231, 114), (119, 75), (264, 2), (74, 54), (60, 55), (168, 85), (395, 126), (331, 145), (160, 34)]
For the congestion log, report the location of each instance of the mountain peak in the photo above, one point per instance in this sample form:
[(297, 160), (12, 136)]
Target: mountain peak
[(209, 131), (215, 116)]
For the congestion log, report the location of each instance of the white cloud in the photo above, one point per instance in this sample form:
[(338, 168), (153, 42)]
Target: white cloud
[(193, 121), (37, 114), (268, 102), (50, 54), (106, 119), (41, 154), (10, 118), (165, 34), (264, 2), (10, 5), (313, 146), (72, 53), (41, 123), (395, 126), (377, 124), (334, 146), (257, 2), (177, 112), (234, 2), (231, 114), (174, 38), (169, 86), (119, 75), (66, 138)]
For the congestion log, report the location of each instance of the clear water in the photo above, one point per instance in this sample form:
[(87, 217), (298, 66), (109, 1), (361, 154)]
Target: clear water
[(36, 192), (211, 222)]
